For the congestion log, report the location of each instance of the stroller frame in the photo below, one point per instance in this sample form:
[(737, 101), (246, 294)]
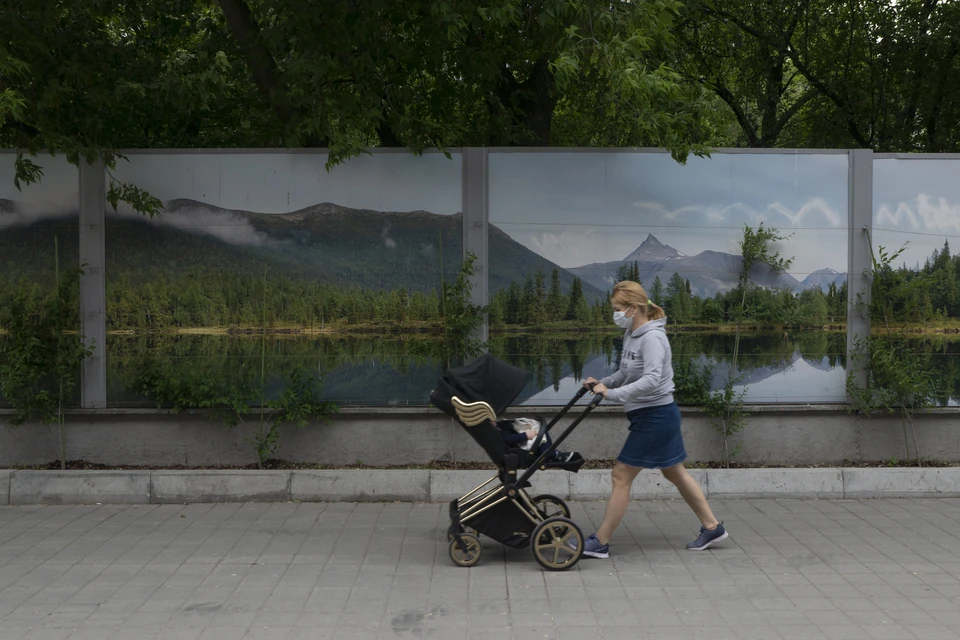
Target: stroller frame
[(556, 541)]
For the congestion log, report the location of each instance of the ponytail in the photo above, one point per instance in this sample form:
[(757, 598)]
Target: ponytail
[(654, 312)]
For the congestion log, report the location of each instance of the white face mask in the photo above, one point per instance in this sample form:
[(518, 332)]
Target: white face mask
[(621, 320)]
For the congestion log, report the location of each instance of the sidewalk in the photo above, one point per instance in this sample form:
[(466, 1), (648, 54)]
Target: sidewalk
[(792, 569)]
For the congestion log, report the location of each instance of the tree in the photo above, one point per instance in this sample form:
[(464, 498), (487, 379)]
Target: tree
[(628, 271), (555, 306), (755, 249), (725, 406), (813, 309), (657, 292), (538, 311), (86, 78), (461, 317), (41, 358), (678, 299), (897, 380), (577, 301), (752, 76), (825, 73)]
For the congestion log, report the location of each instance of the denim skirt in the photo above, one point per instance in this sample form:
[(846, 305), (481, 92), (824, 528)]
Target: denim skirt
[(655, 441)]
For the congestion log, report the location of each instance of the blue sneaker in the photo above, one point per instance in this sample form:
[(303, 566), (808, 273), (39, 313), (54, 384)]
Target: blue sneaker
[(592, 547), (707, 538)]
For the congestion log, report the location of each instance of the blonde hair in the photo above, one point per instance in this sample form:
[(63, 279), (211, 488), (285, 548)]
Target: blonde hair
[(628, 293)]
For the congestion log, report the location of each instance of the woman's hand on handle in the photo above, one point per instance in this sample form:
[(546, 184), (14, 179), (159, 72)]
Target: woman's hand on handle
[(589, 382), (600, 389)]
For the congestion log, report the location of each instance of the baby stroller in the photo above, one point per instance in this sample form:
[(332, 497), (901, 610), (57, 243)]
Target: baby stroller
[(500, 508)]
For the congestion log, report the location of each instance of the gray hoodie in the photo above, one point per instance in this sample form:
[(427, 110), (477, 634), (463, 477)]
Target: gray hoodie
[(645, 377)]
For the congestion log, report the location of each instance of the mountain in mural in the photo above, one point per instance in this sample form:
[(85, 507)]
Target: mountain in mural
[(652, 250), (823, 278), (325, 242), (709, 272)]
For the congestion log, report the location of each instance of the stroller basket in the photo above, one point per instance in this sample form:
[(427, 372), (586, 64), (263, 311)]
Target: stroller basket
[(501, 508)]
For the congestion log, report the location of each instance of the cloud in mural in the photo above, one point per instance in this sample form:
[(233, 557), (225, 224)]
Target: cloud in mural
[(13, 212), (565, 248), (224, 225), (388, 242), (924, 213)]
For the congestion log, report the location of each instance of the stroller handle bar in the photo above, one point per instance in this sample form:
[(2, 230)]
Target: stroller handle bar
[(543, 432), (563, 436)]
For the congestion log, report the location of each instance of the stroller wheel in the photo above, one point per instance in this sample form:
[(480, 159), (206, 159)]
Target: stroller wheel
[(466, 529), (469, 557), (557, 544), (551, 506)]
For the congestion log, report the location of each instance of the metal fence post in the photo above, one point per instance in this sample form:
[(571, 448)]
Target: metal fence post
[(93, 393), (860, 234), (476, 226)]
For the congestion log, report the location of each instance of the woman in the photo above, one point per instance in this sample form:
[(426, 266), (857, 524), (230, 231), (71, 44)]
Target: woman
[(644, 385)]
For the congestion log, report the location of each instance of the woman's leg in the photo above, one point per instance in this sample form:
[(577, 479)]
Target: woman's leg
[(623, 476), (692, 494)]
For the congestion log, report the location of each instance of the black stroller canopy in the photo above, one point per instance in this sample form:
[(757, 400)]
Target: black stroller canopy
[(486, 378)]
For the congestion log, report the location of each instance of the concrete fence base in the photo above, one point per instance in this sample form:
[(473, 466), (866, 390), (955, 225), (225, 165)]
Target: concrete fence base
[(422, 485), (784, 436)]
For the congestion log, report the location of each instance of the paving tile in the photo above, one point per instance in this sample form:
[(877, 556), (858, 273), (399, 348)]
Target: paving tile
[(792, 570)]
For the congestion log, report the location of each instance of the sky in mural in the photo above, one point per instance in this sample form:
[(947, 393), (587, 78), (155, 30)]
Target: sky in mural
[(581, 208), (916, 201), (286, 182), (57, 194)]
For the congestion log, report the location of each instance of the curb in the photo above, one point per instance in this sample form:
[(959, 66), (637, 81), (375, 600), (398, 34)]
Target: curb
[(424, 485)]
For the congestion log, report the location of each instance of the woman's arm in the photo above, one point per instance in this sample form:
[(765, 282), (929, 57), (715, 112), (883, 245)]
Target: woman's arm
[(654, 353), (614, 380)]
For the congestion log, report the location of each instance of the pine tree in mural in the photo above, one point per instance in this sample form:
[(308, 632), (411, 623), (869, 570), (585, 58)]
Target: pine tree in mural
[(577, 300), (678, 299), (628, 272), (539, 298), (656, 292), (555, 303)]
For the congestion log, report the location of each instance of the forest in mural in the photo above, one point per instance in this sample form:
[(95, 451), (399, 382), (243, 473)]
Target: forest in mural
[(303, 275), (542, 302), (917, 217)]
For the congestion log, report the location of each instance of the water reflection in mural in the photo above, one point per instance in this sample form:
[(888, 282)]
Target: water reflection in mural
[(799, 367), (39, 226)]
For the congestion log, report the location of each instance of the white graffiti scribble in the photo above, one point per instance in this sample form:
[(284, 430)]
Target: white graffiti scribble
[(737, 212), (923, 213)]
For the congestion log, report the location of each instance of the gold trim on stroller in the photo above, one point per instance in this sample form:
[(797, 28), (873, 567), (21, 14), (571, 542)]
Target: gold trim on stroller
[(473, 413)]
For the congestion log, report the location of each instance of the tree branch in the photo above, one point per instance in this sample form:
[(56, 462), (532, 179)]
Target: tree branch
[(933, 143), (260, 61), (787, 115), (829, 94), (22, 127), (727, 96)]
